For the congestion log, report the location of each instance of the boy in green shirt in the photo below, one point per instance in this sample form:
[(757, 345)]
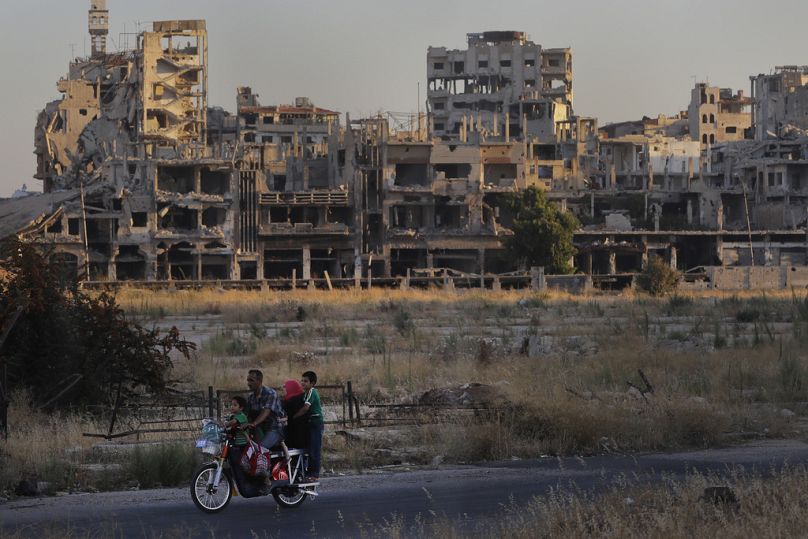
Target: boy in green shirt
[(238, 419), (314, 409)]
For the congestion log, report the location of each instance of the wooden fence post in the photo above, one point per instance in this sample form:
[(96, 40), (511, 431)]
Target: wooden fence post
[(350, 402)]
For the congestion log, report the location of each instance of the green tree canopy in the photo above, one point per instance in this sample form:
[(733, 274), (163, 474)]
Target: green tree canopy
[(542, 234), (73, 348)]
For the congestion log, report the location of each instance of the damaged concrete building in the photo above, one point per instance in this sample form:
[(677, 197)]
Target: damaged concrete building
[(145, 181)]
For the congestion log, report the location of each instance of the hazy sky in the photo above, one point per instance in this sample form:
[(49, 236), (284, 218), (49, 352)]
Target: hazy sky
[(630, 57)]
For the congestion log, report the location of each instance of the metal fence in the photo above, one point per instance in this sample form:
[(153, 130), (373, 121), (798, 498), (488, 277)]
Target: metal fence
[(181, 412)]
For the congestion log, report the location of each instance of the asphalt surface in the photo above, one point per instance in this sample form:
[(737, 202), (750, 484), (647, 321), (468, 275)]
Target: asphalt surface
[(365, 505)]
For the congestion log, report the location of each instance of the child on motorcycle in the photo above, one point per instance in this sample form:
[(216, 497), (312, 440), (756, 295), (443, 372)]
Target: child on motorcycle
[(237, 419), (314, 409)]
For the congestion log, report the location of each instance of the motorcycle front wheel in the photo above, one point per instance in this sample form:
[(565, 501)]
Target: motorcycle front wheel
[(208, 497)]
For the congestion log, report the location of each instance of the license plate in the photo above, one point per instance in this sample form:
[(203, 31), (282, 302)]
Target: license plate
[(201, 443)]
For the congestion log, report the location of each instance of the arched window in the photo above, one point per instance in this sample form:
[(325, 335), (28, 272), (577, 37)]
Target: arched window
[(704, 139), (712, 99), (712, 118), (704, 118), (712, 139), (703, 98)]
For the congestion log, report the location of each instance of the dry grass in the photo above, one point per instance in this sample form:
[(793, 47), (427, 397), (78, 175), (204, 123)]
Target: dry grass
[(565, 402), (43, 447), (773, 507), (573, 399)]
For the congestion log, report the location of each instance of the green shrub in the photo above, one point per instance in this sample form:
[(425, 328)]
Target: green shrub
[(164, 465), (658, 278)]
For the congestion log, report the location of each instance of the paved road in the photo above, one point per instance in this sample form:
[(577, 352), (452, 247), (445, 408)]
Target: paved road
[(351, 506)]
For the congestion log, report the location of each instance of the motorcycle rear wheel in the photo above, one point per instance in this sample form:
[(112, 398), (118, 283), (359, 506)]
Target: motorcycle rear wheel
[(289, 497), (214, 498)]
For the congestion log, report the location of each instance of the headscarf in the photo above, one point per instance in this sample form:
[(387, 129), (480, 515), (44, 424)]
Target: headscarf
[(293, 389)]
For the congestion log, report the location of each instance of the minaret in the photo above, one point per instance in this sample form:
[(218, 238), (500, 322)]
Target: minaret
[(98, 23)]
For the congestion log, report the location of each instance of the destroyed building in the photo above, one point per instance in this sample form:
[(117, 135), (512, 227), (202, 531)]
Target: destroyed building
[(145, 181)]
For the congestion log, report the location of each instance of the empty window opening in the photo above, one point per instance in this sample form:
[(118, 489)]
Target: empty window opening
[(324, 260), (280, 264), (215, 267), (215, 182), (482, 63), (178, 218), (55, 227), (140, 219), (437, 66), (459, 67), (130, 263), (156, 119), (213, 217), (712, 118), (450, 217), (439, 105), (73, 226), (182, 261), (411, 174), (504, 63), (248, 269), (530, 62), (712, 139), (268, 120), (704, 139), (499, 173), (712, 99), (340, 215), (403, 259), (466, 260), (83, 112), (731, 129), (116, 204), (250, 118), (175, 179), (554, 62), (545, 152), (406, 216), (453, 170)]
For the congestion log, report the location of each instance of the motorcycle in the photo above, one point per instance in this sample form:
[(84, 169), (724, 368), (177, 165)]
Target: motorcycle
[(216, 482)]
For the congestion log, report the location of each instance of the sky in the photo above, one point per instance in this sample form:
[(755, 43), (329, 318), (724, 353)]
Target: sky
[(630, 57)]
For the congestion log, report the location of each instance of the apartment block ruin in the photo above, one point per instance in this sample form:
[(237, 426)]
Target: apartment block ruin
[(144, 180)]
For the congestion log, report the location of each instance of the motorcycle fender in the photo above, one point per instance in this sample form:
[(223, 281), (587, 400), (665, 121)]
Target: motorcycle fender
[(278, 484)]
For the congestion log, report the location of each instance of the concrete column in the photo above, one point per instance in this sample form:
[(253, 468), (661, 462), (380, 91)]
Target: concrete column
[(592, 205), (690, 212), (429, 261), (673, 256), (588, 262), (719, 249), (198, 275), (507, 127), (612, 262), (767, 250), (481, 260), (306, 263)]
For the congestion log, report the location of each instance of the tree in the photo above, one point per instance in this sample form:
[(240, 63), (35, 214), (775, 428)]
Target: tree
[(542, 234), (71, 347), (658, 278)]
